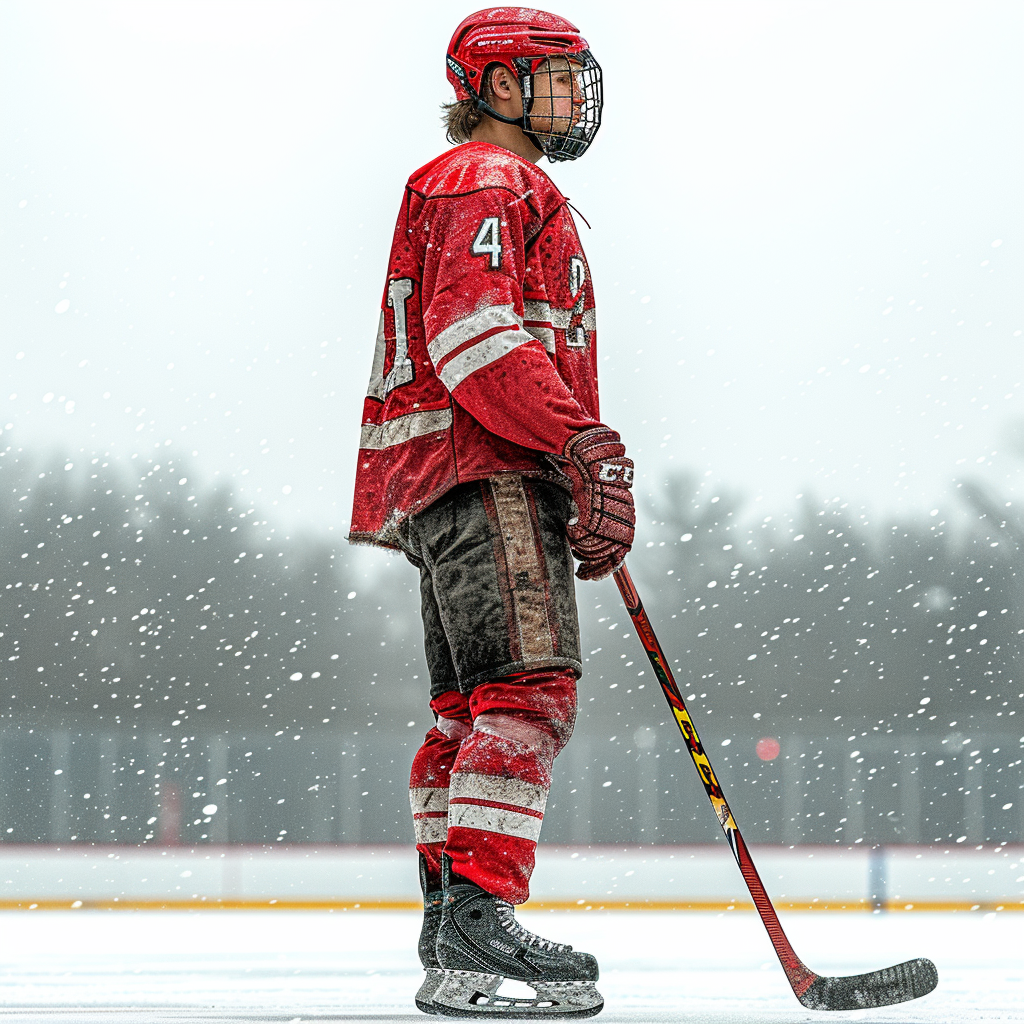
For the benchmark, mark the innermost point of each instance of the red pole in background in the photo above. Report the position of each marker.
(169, 823)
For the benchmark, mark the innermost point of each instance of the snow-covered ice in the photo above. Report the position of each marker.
(141, 966)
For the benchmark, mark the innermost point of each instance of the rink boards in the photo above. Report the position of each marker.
(698, 877)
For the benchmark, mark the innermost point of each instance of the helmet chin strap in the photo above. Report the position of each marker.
(485, 107)
(520, 122)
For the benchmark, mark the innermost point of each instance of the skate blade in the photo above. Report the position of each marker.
(425, 995)
(469, 994)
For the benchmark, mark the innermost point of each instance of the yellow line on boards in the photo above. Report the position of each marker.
(861, 906)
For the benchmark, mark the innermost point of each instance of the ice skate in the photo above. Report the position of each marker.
(432, 905)
(480, 944)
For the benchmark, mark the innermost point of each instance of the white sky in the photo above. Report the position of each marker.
(806, 237)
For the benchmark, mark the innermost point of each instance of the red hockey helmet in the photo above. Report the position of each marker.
(528, 43)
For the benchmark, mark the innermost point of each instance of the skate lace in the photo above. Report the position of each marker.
(507, 920)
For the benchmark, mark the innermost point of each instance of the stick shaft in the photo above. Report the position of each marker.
(800, 976)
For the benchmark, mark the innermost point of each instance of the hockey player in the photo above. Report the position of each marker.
(483, 458)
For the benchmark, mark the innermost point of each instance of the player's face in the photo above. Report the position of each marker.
(558, 97)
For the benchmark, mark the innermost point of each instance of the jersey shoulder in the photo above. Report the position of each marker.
(475, 166)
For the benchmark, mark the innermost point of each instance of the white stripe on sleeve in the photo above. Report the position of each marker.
(471, 326)
(560, 318)
(537, 320)
(483, 353)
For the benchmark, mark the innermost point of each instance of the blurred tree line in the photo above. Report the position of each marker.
(132, 597)
(824, 616)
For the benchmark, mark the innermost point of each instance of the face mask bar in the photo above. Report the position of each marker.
(563, 98)
(561, 118)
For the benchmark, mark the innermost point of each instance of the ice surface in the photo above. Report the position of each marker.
(133, 967)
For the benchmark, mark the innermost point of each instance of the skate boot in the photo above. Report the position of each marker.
(432, 902)
(480, 944)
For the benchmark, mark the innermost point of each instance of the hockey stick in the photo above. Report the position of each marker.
(879, 988)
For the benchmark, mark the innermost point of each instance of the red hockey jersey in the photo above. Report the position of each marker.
(486, 350)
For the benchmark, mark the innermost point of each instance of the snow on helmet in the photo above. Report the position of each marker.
(529, 43)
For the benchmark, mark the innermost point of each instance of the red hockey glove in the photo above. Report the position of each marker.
(600, 476)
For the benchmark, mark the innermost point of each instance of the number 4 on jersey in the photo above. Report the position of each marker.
(488, 241)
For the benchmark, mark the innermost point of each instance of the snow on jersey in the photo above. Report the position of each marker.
(485, 359)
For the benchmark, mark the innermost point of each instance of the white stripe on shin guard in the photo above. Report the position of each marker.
(424, 799)
(474, 798)
(473, 786)
(430, 813)
(495, 819)
(430, 830)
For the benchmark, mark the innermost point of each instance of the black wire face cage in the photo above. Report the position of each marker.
(562, 100)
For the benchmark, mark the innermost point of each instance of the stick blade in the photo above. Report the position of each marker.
(909, 980)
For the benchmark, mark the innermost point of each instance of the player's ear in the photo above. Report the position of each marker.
(501, 82)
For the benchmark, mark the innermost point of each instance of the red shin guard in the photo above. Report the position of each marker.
(430, 777)
(501, 777)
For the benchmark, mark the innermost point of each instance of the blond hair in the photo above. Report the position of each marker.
(460, 117)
